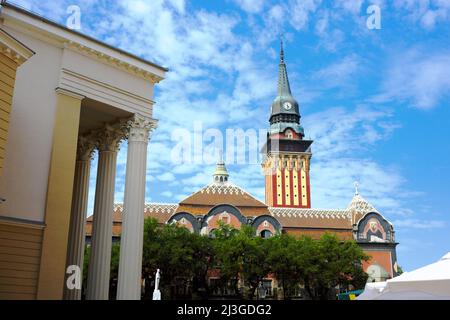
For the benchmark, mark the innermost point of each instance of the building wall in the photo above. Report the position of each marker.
(383, 258)
(20, 252)
(26, 166)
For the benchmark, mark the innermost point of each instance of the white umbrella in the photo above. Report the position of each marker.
(431, 282)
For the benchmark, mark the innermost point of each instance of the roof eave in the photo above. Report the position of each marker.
(59, 31)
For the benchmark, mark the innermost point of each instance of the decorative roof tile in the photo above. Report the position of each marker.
(219, 193)
(360, 206)
(312, 218)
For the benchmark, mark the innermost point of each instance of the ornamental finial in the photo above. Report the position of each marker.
(356, 184)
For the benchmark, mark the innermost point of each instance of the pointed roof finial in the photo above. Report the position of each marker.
(281, 50)
(221, 174)
(221, 157)
(284, 88)
(356, 184)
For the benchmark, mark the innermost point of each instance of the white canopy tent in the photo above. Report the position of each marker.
(431, 282)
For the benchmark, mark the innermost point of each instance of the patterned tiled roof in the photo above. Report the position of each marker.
(312, 218)
(222, 188)
(169, 208)
(218, 193)
(360, 205)
(309, 213)
(152, 207)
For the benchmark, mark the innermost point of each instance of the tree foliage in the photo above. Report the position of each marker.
(186, 259)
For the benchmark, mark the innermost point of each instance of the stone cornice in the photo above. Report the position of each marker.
(57, 34)
(69, 93)
(14, 49)
(120, 64)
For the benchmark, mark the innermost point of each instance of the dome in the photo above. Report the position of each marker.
(220, 174)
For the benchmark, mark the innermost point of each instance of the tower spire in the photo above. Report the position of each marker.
(281, 51)
(284, 88)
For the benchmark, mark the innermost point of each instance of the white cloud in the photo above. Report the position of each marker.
(167, 194)
(250, 6)
(428, 13)
(419, 224)
(167, 176)
(354, 6)
(418, 78)
(330, 38)
(300, 11)
(340, 72)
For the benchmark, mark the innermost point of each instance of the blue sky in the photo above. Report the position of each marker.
(374, 101)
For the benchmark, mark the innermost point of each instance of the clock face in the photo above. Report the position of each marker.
(287, 105)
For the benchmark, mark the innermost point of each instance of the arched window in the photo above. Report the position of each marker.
(289, 134)
(225, 217)
(266, 234)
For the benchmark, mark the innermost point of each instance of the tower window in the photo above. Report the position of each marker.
(289, 134)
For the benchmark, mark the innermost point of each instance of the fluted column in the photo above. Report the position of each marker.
(75, 247)
(99, 265)
(130, 265)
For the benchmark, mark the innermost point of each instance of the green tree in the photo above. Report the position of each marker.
(283, 259)
(331, 262)
(181, 256)
(241, 255)
(228, 252)
(204, 260)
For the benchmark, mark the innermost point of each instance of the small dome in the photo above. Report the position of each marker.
(220, 174)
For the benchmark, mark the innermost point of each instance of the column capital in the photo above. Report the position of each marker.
(109, 137)
(138, 128)
(85, 148)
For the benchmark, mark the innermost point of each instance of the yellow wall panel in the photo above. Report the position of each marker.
(20, 247)
(4, 125)
(295, 186)
(287, 186)
(8, 62)
(5, 97)
(4, 115)
(4, 68)
(5, 79)
(6, 107)
(279, 193)
(303, 186)
(3, 134)
(59, 198)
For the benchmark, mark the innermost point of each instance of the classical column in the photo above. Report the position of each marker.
(130, 265)
(75, 247)
(108, 141)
